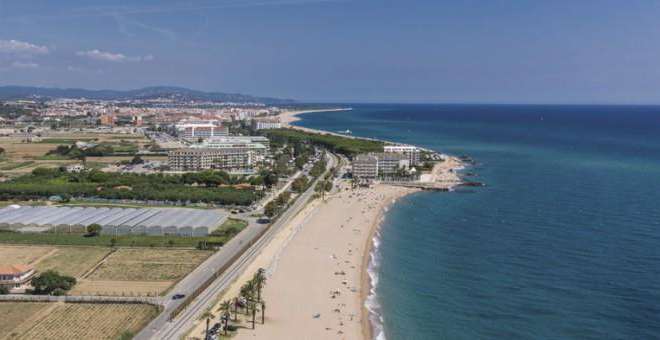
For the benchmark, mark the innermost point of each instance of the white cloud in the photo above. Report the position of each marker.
(22, 48)
(20, 65)
(112, 57)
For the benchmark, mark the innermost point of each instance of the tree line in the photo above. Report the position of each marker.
(203, 187)
(337, 144)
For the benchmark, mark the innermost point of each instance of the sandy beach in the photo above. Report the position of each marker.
(316, 266)
(324, 250)
(288, 117)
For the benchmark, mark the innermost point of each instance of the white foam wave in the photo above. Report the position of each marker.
(372, 304)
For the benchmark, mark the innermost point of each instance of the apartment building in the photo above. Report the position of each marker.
(411, 151)
(389, 162)
(192, 159)
(260, 123)
(201, 130)
(258, 144)
(365, 167)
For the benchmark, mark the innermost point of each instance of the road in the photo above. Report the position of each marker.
(160, 328)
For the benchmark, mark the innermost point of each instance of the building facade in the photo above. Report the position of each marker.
(201, 130)
(16, 276)
(390, 163)
(192, 159)
(365, 167)
(258, 144)
(260, 123)
(411, 151)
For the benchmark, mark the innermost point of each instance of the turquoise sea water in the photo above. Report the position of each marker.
(562, 243)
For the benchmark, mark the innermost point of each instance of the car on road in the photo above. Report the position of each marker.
(178, 296)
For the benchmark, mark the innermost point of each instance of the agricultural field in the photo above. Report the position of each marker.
(72, 320)
(61, 239)
(13, 314)
(23, 255)
(149, 271)
(149, 265)
(121, 288)
(73, 261)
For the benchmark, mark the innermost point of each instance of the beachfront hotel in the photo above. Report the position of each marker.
(411, 151)
(370, 166)
(365, 167)
(390, 162)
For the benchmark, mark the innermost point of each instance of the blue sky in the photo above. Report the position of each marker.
(489, 51)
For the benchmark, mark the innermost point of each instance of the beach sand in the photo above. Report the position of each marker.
(288, 117)
(325, 249)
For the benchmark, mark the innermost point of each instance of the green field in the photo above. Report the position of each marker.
(62, 141)
(15, 165)
(337, 144)
(223, 234)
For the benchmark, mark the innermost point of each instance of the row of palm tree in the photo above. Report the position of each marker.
(249, 301)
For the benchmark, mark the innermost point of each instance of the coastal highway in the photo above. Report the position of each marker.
(161, 328)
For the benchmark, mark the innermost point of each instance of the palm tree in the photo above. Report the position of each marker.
(247, 291)
(253, 306)
(263, 312)
(259, 282)
(226, 307)
(235, 309)
(208, 315)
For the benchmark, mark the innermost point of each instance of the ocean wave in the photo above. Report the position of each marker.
(371, 303)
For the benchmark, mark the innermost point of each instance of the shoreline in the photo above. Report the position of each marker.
(323, 257)
(288, 117)
(444, 173)
(366, 283)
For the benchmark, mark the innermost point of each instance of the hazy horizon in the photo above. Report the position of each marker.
(390, 51)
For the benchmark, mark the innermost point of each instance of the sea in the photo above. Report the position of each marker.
(562, 242)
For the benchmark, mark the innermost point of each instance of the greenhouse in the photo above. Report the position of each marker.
(113, 221)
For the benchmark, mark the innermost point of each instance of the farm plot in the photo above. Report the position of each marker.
(160, 255)
(149, 264)
(121, 288)
(10, 255)
(86, 321)
(151, 270)
(73, 261)
(13, 314)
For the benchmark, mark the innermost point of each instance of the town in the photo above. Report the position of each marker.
(92, 187)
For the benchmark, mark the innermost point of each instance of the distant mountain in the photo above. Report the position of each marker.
(147, 93)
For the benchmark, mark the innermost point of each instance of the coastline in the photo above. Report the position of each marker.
(443, 175)
(366, 284)
(310, 249)
(288, 117)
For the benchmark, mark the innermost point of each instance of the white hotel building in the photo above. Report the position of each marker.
(408, 150)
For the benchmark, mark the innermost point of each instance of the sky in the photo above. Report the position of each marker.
(462, 51)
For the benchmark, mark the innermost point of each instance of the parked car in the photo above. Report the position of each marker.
(178, 296)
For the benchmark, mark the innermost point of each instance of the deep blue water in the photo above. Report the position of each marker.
(562, 243)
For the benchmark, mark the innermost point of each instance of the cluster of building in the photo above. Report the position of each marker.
(229, 153)
(392, 161)
(194, 128)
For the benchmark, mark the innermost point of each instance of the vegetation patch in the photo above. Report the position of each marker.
(73, 261)
(46, 321)
(342, 145)
(43, 183)
(15, 165)
(149, 265)
(9, 237)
